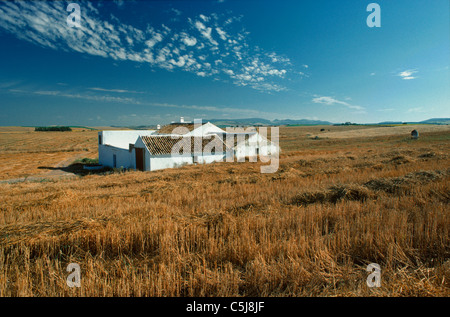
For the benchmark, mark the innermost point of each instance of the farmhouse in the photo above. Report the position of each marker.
(177, 144)
(160, 151)
(115, 148)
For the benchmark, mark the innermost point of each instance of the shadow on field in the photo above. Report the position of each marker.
(77, 169)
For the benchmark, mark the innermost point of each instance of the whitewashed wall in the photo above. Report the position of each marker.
(124, 158)
(122, 139)
(158, 163)
(206, 159)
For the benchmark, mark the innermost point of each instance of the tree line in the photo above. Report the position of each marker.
(56, 128)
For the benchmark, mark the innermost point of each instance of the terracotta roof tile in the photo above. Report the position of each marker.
(176, 128)
(162, 145)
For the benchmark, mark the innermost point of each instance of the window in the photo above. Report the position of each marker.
(99, 139)
(114, 160)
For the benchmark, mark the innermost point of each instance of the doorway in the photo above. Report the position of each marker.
(139, 159)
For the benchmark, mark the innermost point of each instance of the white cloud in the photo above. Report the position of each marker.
(205, 31)
(228, 72)
(82, 96)
(181, 62)
(407, 74)
(9, 84)
(156, 38)
(115, 90)
(119, 3)
(331, 101)
(105, 98)
(204, 18)
(222, 34)
(162, 47)
(177, 12)
(189, 41)
(416, 110)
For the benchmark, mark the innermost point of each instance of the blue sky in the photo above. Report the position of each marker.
(150, 62)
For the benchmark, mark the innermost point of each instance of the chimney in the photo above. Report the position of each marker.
(182, 120)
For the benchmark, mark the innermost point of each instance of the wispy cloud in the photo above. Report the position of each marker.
(332, 101)
(239, 111)
(407, 74)
(119, 3)
(103, 98)
(225, 110)
(416, 110)
(115, 90)
(9, 84)
(206, 45)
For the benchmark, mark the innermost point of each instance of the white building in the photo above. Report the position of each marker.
(162, 151)
(178, 144)
(115, 148)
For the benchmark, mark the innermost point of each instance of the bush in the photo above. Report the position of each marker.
(55, 128)
(87, 161)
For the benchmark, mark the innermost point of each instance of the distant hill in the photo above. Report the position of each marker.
(247, 121)
(437, 121)
(391, 122)
(301, 122)
(260, 121)
(265, 122)
(429, 121)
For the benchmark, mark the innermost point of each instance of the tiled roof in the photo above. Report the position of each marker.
(169, 129)
(161, 145)
(233, 139)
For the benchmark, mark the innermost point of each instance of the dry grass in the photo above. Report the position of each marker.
(226, 230)
(383, 131)
(24, 152)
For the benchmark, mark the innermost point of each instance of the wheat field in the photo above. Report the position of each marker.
(225, 229)
(24, 152)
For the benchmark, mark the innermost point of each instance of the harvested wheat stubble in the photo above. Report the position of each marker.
(363, 192)
(398, 184)
(13, 234)
(228, 230)
(398, 160)
(333, 194)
